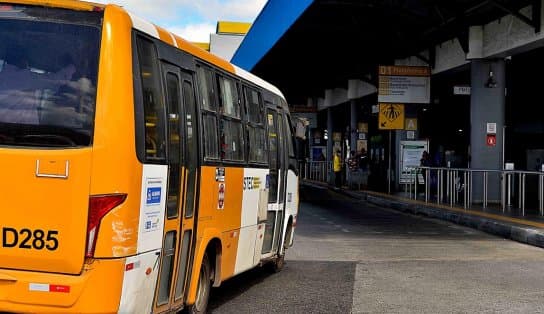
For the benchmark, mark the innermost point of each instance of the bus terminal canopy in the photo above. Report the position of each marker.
(306, 46)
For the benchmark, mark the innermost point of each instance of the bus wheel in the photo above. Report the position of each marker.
(278, 263)
(204, 287)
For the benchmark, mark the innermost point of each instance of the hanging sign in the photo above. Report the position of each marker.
(391, 117)
(404, 84)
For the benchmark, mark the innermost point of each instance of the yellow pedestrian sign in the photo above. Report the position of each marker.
(391, 117)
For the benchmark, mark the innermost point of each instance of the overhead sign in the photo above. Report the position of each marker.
(461, 90)
(404, 84)
(391, 117)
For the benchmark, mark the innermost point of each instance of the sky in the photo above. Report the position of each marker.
(193, 20)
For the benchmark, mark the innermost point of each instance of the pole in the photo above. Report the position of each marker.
(389, 166)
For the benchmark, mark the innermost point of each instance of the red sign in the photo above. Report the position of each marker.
(491, 140)
(221, 197)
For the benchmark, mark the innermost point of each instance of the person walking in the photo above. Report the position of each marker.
(337, 168)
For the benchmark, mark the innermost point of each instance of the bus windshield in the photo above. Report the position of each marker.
(48, 76)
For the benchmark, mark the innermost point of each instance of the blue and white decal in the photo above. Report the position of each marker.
(153, 201)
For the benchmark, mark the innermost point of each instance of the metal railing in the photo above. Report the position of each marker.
(510, 189)
(315, 170)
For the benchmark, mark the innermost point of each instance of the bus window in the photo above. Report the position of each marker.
(272, 118)
(231, 128)
(209, 126)
(207, 88)
(155, 148)
(290, 140)
(47, 91)
(175, 145)
(256, 129)
(232, 140)
(209, 108)
(230, 102)
(255, 109)
(191, 161)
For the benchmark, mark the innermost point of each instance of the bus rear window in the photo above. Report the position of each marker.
(48, 76)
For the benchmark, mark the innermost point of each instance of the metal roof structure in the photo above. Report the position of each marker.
(306, 46)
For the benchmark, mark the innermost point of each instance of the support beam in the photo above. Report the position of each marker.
(537, 11)
(534, 21)
(431, 60)
(464, 40)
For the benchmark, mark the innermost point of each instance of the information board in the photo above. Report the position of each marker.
(404, 84)
(411, 152)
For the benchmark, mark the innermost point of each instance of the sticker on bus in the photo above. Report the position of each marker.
(153, 196)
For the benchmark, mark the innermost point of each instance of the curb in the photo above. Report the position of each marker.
(517, 232)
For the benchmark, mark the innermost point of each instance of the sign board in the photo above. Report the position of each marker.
(410, 153)
(411, 124)
(362, 127)
(404, 84)
(411, 135)
(461, 90)
(491, 128)
(391, 117)
(362, 144)
(491, 140)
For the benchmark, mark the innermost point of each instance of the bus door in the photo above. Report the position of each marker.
(178, 241)
(276, 180)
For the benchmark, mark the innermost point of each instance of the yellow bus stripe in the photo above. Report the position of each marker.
(165, 36)
(204, 55)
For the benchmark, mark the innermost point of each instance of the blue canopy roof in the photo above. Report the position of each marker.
(272, 23)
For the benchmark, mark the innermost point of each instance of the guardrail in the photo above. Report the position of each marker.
(315, 170)
(456, 186)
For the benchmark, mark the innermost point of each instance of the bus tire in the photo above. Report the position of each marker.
(277, 265)
(204, 287)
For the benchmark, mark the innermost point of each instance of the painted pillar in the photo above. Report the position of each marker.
(353, 125)
(487, 106)
(329, 144)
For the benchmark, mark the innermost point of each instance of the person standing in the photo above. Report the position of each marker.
(337, 168)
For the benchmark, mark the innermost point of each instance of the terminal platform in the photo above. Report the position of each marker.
(528, 228)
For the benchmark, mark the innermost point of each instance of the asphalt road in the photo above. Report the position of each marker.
(353, 257)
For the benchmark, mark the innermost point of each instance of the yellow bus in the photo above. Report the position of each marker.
(138, 170)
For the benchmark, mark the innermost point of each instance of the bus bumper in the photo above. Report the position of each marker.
(96, 290)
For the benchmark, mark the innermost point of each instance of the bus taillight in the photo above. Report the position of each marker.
(99, 206)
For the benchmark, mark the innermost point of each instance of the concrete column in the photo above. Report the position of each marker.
(329, 142)
(353, 125)
(487, 105)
